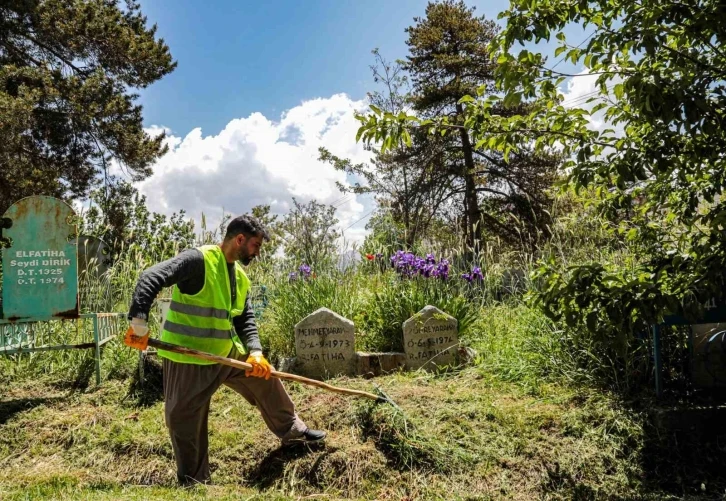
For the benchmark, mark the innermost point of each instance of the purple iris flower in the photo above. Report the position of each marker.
(304, 270)
(428, 270)
(476, 274)
(408, 265)
(442, 269)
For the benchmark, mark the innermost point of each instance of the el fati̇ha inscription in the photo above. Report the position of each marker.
(40, 261)
(434, 340)
(39, 267)
(430, 338)
(317, 344)
(325, 344)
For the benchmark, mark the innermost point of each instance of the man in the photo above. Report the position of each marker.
(210, 311)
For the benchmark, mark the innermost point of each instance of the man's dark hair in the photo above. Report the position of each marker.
(249, 226)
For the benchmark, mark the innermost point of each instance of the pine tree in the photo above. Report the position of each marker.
(67, 108)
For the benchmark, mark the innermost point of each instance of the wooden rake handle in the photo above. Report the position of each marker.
(248, 367)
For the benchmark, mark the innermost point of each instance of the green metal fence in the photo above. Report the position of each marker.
(88, 331)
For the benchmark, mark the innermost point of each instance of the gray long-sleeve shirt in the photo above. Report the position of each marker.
(186, 271)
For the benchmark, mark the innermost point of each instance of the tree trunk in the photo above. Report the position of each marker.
(411, 238)
(406, 210)
(473, 212)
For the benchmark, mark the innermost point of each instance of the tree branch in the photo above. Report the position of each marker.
(56, 54)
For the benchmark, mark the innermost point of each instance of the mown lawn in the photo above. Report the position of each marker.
(464, 435)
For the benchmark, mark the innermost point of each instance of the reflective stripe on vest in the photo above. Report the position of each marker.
(188, 330)
(200, 311)
(203, 321)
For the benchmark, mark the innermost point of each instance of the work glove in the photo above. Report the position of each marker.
(260, 366)
(140, 327)
(137, 335)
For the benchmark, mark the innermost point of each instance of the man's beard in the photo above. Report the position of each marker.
(243, 257)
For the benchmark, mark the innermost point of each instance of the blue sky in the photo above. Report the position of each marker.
(237, 57)
(241, 65)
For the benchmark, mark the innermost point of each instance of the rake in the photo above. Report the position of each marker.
(141, 343)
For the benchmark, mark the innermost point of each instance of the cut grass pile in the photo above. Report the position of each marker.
(465, 435)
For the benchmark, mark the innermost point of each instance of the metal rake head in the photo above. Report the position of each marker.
(384, 398)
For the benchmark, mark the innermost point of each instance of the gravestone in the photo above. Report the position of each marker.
(430, 339)
(93, 256)
(40, 262)
(325, 345)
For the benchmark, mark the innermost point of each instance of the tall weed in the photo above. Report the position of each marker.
(290, 301)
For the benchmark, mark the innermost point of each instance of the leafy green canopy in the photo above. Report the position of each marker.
(661, 68)
(67, 68)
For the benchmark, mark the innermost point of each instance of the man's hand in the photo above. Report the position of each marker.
(260, 366)
(137, 335)
(140, 327)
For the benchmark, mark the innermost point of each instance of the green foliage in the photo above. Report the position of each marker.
(395, 300)
(67, 74)
(660, 178)
(291, 301)
(309, 233)
(120, 218)
(579, 231)
(513, 341)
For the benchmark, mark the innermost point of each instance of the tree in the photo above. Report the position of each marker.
(407, 181)
(67, 72)
(660, 178)
(309, 233)
(119, 216)
(661, 78)
(450, 59)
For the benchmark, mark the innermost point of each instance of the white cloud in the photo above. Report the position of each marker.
(580, 89)
(255, 160)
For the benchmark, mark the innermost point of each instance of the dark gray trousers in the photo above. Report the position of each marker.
(188, 390)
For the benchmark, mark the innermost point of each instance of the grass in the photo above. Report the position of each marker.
(520, 424)
(524, 423)
(465, 435)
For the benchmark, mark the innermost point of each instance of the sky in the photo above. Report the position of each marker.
(258, 88)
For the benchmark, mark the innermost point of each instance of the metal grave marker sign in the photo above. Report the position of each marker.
(40, 264)
(93, 256)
